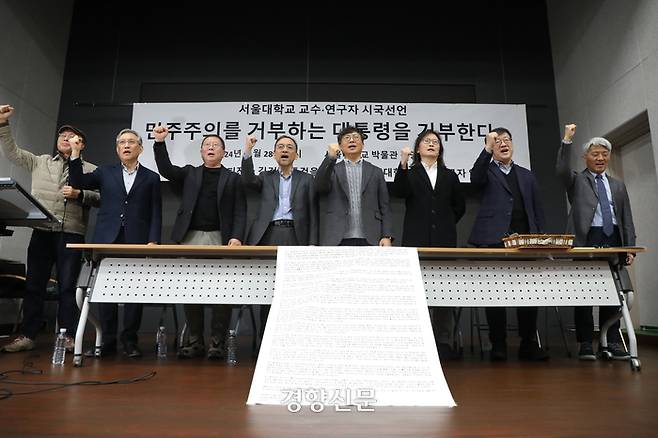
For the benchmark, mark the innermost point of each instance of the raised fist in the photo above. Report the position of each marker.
(249, 144)
(404, 156)
(569, 132)
(490, 141)
(333, 150)
(5, 112)
(160, 133)
(76, 143)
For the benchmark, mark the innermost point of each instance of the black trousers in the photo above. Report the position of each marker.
(583, 314)
(48, 248)
(280, 236)
(109, 316)
(497, 319)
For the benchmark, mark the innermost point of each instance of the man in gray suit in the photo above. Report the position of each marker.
(353, 198)
(600, 216)
(287, 213)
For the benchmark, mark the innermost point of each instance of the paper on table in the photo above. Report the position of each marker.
(349, 321)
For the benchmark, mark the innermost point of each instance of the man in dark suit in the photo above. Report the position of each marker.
(353, 199)
(130, 212)
(287, 213)
(212, 212)
(509, 204)
(600, 216)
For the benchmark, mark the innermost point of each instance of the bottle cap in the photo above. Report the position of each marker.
(62, 330)
(162, 328)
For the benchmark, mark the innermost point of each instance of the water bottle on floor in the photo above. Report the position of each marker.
(59, 352)
(231, 348)
(161, 343)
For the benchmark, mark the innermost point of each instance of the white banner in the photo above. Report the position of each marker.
(389, 126)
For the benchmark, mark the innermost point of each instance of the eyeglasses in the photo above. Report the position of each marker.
(130, 142)
(351, 137)
(67, 135)
(505, 140)
(288, 147)
(428, 141)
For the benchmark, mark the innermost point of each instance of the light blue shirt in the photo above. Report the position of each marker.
(129, 177)
(505, 168)
(598, 217)
(284, 208)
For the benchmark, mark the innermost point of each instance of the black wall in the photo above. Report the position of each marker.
(478, 52)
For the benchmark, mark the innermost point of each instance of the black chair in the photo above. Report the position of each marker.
(12, 287)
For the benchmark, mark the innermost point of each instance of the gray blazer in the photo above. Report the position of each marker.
(332, 189)
(304, 207)
(581, 191)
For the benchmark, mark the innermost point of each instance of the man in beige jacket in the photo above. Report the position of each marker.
(47, 246)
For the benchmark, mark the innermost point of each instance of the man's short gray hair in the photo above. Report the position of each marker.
(129, 131)
(597, 141)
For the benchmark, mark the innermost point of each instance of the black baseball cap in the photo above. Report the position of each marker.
(78, 132)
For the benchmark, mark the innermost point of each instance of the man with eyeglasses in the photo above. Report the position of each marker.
(50, 186)
(213, 211)
(353, 199)
(131, 212)
(600, 216)
(287, 213)
(509, 204)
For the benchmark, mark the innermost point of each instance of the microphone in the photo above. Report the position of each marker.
(68, 177)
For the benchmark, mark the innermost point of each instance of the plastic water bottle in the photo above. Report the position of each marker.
(231, 348)
(161, 343)
(59, 352)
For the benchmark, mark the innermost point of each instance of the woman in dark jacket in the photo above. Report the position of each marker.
(434, 205)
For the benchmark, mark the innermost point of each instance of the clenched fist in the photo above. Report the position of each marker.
(490, 141)
(5, 112)
(569, 132)
(76, 146)
(404, 156)
(249, 144)
(333, 150)
(160, 133)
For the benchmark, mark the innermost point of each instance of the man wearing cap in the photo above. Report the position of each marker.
(600, 216)
(50, 186)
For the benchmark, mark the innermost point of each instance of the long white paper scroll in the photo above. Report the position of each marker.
(349, 326)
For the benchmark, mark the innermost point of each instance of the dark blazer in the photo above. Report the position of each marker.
(583, 197)
(431, 215)
(333, 191)
(139, 212)
(231, 202)
(495, 214)
(304, 207)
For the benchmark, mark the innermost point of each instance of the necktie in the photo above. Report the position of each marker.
(604, 202)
